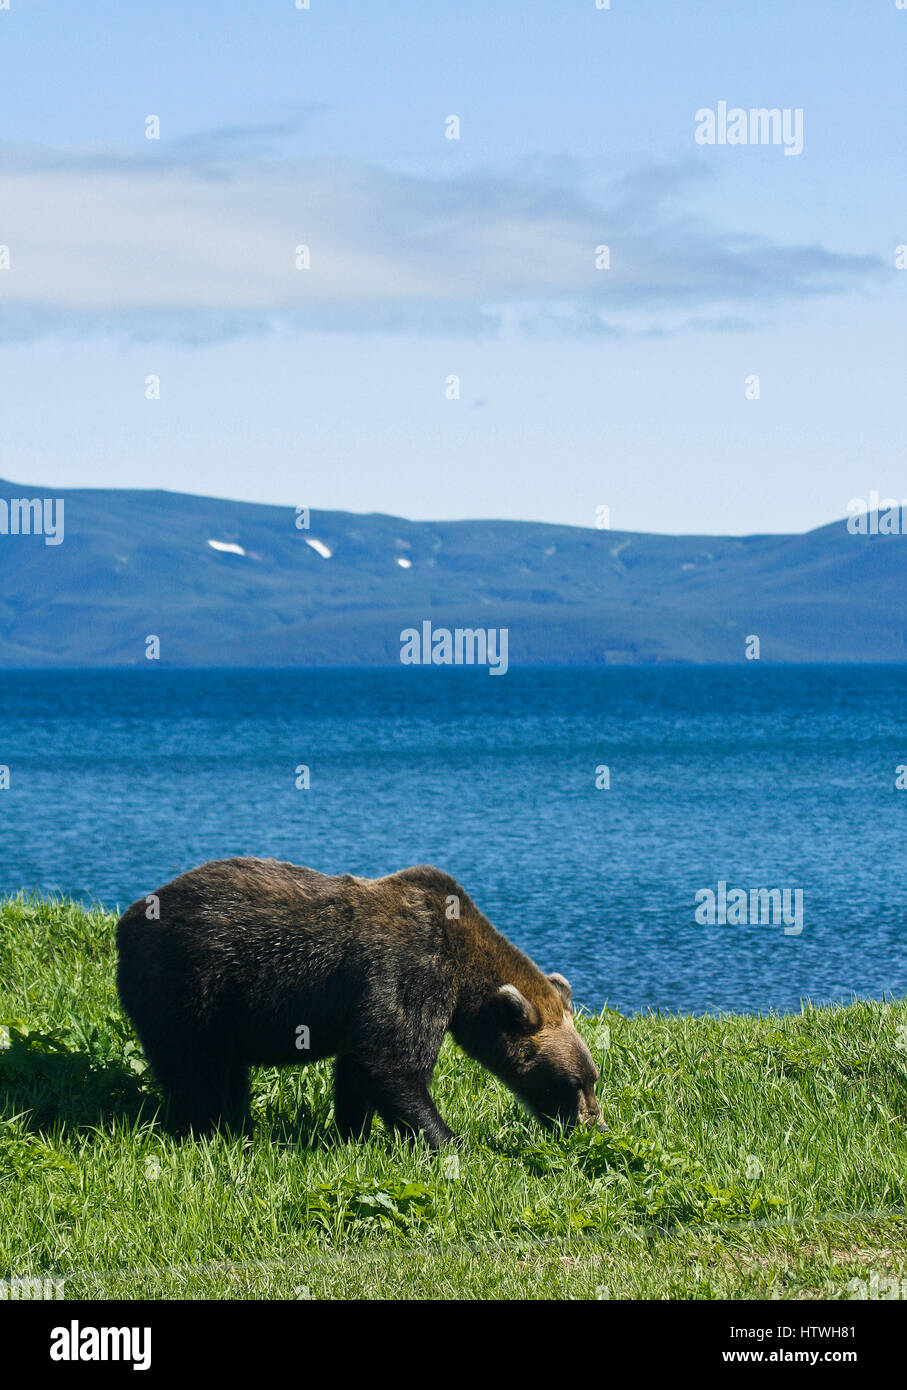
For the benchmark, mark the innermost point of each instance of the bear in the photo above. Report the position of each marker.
(252, 962)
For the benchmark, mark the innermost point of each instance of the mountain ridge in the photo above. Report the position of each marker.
(229, 583)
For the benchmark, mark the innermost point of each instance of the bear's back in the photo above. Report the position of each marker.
(253, 943)
(261, 913)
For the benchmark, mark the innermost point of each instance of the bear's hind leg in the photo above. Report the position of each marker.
(198, 1092)
(237, 1099)
(353, 1105)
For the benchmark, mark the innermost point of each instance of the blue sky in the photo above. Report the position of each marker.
(430, 257)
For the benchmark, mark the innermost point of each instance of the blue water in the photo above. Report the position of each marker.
(760, 776)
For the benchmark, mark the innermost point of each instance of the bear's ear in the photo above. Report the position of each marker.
(519, 1011)
(563, 988)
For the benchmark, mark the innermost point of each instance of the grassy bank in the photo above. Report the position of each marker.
(747, 1157)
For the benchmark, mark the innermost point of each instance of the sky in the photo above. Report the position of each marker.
(578, 386)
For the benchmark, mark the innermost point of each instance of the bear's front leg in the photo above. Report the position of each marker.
(353, 1106)
(404, 1103)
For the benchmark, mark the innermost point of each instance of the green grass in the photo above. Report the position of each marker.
(746, 1158)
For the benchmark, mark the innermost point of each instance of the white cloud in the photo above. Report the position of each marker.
(152, 247)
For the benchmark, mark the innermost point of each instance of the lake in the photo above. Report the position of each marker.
(754, 776)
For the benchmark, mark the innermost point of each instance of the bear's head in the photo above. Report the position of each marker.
(547, 1064)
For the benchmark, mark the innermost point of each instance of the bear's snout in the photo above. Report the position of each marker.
(590, 1114)
(559, 1083)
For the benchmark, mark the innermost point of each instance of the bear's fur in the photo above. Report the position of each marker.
(247, 954)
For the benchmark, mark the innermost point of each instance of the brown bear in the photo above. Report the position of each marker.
(251, 962)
